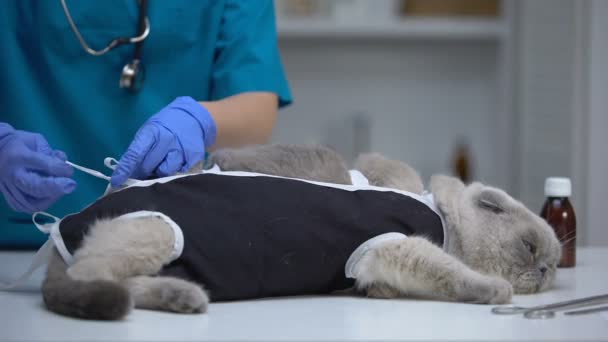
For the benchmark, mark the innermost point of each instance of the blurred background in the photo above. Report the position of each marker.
(506, 92)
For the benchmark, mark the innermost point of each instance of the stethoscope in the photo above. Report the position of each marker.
(132, 76)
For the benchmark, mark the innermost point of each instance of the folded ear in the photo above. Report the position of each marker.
(447, 192)
(446, 187)
(492, 200)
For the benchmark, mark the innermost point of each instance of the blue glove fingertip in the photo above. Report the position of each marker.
(172, 164)
(68, 186)
(59, 168)
(60, 154)
(117, 179)
(128, 165)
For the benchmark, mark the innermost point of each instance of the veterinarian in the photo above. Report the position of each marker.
(156, 83)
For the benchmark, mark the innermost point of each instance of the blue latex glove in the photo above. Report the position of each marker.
(33, 176)
(173, 140)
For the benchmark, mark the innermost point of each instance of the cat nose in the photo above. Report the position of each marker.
(543, 270)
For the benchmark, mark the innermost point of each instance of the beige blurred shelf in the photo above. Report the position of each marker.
(409, 28)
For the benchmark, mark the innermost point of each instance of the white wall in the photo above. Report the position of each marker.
(419, 97)
(561, 102)
(597, 139)
(545, 95)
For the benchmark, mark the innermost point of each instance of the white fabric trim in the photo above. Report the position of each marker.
(60, 245)
(54, 235)
(215, 168)
(53, 230)
(100, 175)
(429, 199)
(45, 228)
(40, 258)
(351, 267)
(178, 244)
(357, 178)
(42, 255)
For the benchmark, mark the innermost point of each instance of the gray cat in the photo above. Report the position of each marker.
(494, 245)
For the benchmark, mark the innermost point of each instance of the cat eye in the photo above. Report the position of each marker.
(530, 247)
(493, 207)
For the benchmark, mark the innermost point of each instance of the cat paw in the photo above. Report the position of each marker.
(185, 298)
(501, 291)
(489, 290)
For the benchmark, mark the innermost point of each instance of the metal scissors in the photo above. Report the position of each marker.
(548, 311)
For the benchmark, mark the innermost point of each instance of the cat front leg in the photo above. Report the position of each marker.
(416, 267)
(167, 294)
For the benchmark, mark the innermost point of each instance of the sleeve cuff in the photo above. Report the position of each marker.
(233, 83)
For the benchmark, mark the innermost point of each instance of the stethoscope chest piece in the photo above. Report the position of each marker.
(132, 76)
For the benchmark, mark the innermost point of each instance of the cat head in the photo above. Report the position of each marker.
(497, 235)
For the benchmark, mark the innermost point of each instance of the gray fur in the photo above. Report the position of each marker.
(167, 294)
(97, 299)
(109, 274)
(381, 171)
(485, 259)
(415, 267)
(310, 162)
(489, 229)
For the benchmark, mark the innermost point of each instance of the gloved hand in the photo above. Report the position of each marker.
(173, 140)
(33, 176)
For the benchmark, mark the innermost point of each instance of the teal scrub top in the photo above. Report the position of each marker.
(206, 49)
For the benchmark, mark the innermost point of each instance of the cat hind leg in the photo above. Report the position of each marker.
(114, 250)
(120, 248)
(167, 294)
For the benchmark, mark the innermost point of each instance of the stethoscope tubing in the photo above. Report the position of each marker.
(143, 27)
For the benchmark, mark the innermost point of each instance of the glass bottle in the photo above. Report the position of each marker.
(461, 162)
(559, 213)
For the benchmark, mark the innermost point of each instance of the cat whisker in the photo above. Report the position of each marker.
(568, 240)
(567, 236)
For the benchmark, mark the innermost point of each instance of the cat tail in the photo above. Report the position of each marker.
(98, 299)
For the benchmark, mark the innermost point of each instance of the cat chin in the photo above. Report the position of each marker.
(526, 288)
(528, 283)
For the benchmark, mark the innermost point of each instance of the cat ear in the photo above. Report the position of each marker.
(446, 187)
(447, 191)
(492, 200)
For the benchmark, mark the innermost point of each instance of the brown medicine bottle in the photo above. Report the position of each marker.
(559, 213)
